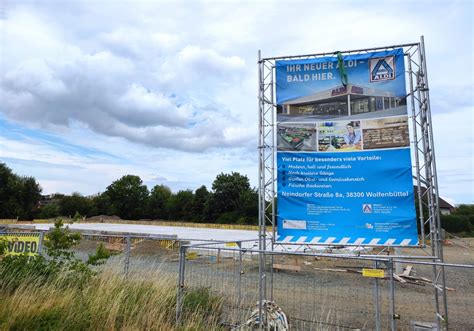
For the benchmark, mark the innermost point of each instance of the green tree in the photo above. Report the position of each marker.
(200, 207)
(9, 186)
(60, 241)
(249, 207)
(128, 197)
(227, 197)
(30, 195)
(159, 198)
(101, 204)
(180, 205)
(69, 205)
(19, 196)
(49, 211)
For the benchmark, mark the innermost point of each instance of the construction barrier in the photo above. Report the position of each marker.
(22, 243)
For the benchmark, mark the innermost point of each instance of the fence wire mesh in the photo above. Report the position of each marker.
(325, 293)
(316, 291)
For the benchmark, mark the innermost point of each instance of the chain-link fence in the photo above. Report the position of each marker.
(316, 290)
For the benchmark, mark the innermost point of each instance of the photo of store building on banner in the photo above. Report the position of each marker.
(350, 101)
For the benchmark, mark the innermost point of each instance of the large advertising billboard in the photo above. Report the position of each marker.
(343, 151)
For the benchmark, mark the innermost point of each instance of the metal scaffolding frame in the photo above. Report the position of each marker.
(424, 164)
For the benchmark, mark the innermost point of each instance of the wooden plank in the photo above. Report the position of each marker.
(329, 269)
(350, 267)
(288, 267)
(439, 287)
(117, 247)
(424, 280)
(400, 279)
(340, 270)
(407, 270)
(297, 260)
(419, 278)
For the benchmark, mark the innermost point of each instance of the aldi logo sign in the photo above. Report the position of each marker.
(382, 69)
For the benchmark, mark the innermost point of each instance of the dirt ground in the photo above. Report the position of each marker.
(312, 298)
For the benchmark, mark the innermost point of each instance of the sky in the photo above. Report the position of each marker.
(94, 90)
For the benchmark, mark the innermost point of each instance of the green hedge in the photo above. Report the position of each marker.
(457, 223)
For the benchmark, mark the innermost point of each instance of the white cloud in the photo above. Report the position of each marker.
(113, 93)
(156, 80)
(148, 109)
(209, 61)
(132, 42)
(88, 170)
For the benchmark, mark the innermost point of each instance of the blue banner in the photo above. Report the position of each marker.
(344, 167)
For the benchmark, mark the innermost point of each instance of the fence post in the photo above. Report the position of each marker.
(40, 244)
(376, 300)
(239, 282)
(127, 254)
(398, 265)
(393, 325)
(180, 294)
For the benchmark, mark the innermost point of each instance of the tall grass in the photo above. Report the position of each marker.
(107, 301)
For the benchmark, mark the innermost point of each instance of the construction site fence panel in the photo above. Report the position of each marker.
(316, 291)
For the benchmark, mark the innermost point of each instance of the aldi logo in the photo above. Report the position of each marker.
(367, 208)
(382, 69)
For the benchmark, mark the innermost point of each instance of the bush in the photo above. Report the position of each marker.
(456, 223)
(228, 217)
(49, 211)
(3, 246)
(59, 242)
(100, 256)
(60, 261)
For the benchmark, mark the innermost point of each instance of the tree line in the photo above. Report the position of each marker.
(230, 200)
(19, 196)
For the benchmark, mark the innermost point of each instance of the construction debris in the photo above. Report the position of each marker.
(286, 267)
(339, 270)
(398, 278)
(407, 270)
(273, 318)
(404, 278)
